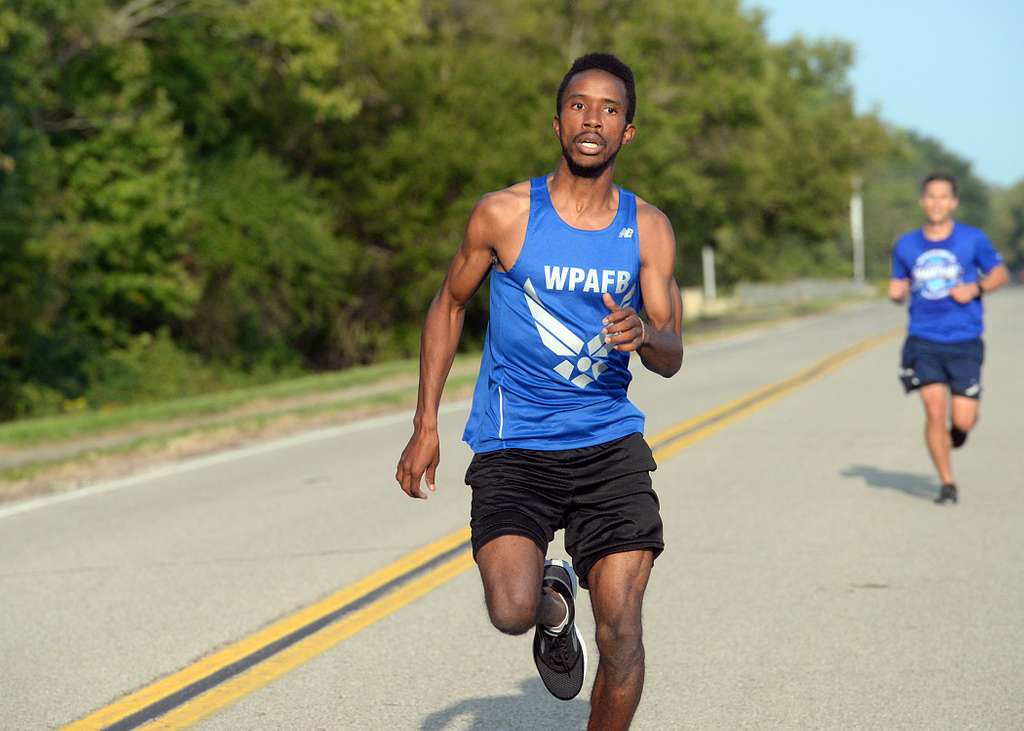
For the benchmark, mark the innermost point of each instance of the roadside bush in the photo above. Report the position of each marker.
(275, 280)
(33, 399)
(149, 368)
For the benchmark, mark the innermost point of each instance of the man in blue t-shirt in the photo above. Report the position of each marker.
(945, 266)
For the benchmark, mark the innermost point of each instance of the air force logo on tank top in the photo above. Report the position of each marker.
(582, 368)
(935, 272)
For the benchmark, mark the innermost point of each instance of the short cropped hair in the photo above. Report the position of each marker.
(602, 62)
(945, 177)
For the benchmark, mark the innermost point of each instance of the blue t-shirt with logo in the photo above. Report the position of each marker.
(934, 268)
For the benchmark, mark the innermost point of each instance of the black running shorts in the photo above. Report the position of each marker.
(600, 495)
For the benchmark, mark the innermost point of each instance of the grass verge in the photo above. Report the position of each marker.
(47, 475)
(26, 432)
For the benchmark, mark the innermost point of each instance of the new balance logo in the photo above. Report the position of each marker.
(626, 233)
(583, 362)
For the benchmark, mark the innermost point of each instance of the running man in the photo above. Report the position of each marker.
(572, 260)
(945, 266)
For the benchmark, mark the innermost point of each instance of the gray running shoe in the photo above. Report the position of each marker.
(947, 494)
(561, 659)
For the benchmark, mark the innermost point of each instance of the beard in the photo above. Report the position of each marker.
(587, 171)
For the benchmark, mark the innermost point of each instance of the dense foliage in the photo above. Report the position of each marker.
(195, 191)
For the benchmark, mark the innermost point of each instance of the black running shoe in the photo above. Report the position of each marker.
(561, 659)
(947, 493)
(958, 437)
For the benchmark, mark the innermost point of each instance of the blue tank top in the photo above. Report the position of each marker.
(547, 381)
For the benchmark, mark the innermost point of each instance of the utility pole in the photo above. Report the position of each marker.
(857, 231)
(707, 255)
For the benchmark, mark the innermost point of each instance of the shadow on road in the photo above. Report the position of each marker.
(532, 708)
(921, 486)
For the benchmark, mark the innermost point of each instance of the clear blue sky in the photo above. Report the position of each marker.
(952, 70)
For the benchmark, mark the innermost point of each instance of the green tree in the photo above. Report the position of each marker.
(276, 283)
(1007, 227)
(275, 184)
(108, 110)
(806, 155)
(95, 182)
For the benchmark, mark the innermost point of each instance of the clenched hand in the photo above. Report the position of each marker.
(421, 455)
(623, 328)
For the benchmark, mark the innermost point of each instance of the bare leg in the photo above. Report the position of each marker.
(936, 432)
(511, 568)
(965, 413)
(617, 585)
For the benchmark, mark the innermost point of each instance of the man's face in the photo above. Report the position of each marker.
(591, 125)
(938, 201)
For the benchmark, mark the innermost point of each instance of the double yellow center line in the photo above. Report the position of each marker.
(217, 680)
(676, 438)
(183, 698)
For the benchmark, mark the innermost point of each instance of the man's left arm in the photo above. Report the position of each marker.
(989, 261)
(995, 274)
(659, 340)
(996, 277)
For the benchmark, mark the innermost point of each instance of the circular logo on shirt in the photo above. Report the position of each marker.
(936, 272)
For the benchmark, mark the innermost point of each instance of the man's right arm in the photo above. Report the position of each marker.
(899, 284)
(898, 290)
(438, 344)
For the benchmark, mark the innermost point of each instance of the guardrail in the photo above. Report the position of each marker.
(753, 294)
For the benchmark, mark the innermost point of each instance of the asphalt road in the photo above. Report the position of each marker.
(808, 582)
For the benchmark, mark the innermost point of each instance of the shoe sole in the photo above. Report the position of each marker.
(567, 567)
(583, 647)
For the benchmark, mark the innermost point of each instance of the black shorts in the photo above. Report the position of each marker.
(957, 364)
(600, 495)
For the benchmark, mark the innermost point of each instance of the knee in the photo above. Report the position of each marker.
(964, 423)
(620, 641)
(513, 612)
